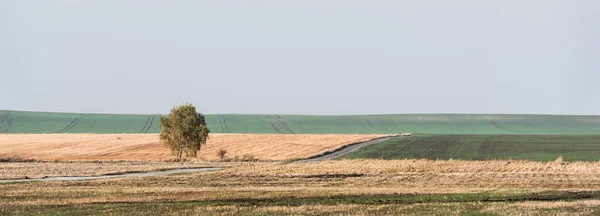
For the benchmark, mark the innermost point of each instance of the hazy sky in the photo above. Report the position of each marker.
(301, 57)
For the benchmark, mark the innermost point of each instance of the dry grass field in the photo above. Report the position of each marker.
(54, 169)
(363, 187)
(342, 187)
(145, 147)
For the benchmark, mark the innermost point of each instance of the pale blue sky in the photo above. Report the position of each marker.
(301, 57)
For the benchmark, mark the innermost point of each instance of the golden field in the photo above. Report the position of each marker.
(146, 147)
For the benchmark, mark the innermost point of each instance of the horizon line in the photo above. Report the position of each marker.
(366, 114)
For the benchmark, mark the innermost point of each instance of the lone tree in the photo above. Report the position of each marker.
(183, 129)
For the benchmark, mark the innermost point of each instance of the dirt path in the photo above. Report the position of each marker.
(126, 175)
(345, 150)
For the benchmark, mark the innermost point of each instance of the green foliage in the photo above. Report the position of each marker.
(183, 130)
(44, 122)
(485, 147)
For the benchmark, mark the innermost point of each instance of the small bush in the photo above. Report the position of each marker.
(176, 160)
(559, 160)
(243, 158)
(248, 158)
(221, 153)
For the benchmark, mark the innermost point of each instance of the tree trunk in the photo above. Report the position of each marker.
(180, 151)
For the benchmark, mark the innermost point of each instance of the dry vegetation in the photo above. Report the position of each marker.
(330, 177)
(48, 169)
(147, 148)
(558, 208)
(276, 182)
(278, 188)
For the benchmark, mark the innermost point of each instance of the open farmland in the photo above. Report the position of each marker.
(19, 122)
(146, 147)
(486, 147)
(276, 186)
(329, 187)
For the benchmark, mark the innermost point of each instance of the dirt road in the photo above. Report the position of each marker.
(345, 150)
(130, 175)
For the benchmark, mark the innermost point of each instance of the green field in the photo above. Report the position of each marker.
(44, 122)
(486, 147)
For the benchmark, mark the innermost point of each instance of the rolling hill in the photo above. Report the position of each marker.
(23, 122)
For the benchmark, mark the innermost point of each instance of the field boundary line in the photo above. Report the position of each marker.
(61, 130)
(346, 149)
(72, 124)
(284, 124)
(145, 125)
(6, 119)
(300, 125)
(370, 128)
(221, 124)
(528, 124)
(450, 125)
(225, 124)
(273, 125)
(150, 125)
(503, 128)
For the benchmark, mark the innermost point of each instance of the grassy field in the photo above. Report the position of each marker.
(41, 122)
(146, 147)
(486, 147)
(332, 187)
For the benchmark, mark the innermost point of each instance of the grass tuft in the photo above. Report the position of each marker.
(15, 159)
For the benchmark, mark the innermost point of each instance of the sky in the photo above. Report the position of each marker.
(301, 57)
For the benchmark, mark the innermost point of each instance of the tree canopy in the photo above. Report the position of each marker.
(183, 130)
